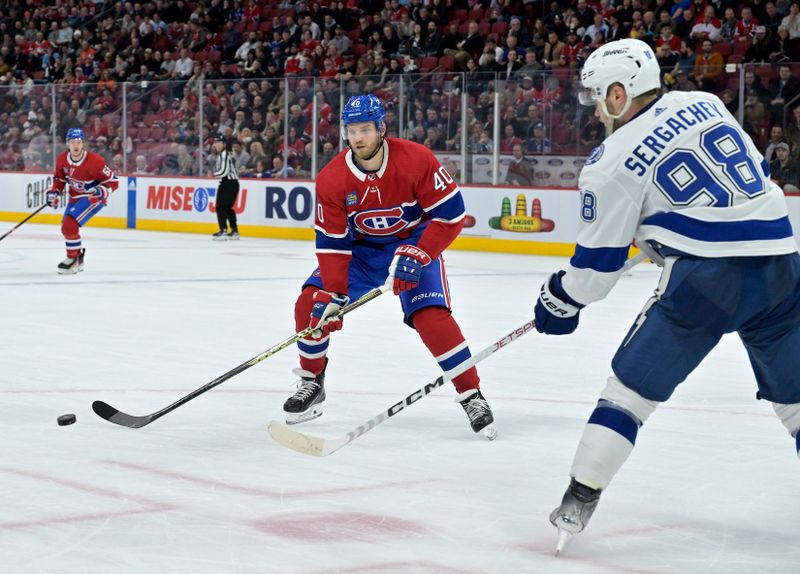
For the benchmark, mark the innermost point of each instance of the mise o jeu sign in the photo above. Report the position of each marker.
(188, 198)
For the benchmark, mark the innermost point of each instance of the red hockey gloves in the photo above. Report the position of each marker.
(406, 268)
(99, 194)
(53, 198)
(325, 316)
(556, 312)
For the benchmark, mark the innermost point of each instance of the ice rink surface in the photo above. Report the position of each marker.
(710, 487)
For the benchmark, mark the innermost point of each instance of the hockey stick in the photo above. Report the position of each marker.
(320, 446)
(10, 231)
(634, 261)
(113, 415)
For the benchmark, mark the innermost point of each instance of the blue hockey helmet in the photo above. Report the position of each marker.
(363, 109)
(75, 134)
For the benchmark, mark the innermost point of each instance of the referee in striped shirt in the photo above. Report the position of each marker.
(227, 190)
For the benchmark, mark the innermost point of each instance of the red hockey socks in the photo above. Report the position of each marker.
(441, 334)
(72, 236)
(312, 351)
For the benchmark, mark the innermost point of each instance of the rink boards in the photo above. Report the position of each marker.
(504, 219)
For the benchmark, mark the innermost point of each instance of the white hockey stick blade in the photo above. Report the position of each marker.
(319, 446)
(634, 261)
(306, 444)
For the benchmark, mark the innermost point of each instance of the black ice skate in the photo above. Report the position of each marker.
(573, 515)
(220, 235)
(306, 403)
(71, 265)
(478, 411)
(234, 235)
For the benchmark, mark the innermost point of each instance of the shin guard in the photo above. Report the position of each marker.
(441, 334)
(312, 351)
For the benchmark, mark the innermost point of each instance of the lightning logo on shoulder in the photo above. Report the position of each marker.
(596, 154)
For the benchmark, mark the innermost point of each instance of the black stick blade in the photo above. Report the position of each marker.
(106, 411)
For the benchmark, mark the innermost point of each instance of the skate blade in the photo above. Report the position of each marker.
(296, 419)
(563, 538)
(69, 271)
(489, 432)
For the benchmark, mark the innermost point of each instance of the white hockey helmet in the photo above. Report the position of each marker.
(629, 62)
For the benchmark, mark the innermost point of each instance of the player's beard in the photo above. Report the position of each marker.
(366, 154)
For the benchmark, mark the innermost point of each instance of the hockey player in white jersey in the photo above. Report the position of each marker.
(679, 175)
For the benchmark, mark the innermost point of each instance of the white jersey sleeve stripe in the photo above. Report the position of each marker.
(455, 191)
(332, 235)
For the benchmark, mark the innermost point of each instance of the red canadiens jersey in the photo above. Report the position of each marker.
(410, 192)
(90, 171)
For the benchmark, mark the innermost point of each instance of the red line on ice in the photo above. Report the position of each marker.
(265, 492)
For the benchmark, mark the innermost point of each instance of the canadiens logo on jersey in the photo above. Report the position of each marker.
(380, 221)
(91, 170)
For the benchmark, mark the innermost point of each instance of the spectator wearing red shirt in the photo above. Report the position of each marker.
(668, 37)
(294, 63)
(509, 140)
(97, 129)
(572, 49)
(38, 46)
(746, 26)
(309, 43)
(328, 69)
(605, 9)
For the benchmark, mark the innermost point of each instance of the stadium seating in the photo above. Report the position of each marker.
(136, 112)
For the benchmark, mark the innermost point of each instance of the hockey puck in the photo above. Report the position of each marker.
(67, 419)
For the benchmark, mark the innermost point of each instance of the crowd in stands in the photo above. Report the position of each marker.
(153, 82)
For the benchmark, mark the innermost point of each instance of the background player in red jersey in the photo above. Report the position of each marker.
(90, 181)
(386, 209)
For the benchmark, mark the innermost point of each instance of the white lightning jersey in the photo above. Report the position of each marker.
(681, 173)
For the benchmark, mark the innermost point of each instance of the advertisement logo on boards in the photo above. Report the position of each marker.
(35, 192)
(520, 222)
(177, 198)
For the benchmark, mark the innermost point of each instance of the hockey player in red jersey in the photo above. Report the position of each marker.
(386, 210)
(90, 181)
